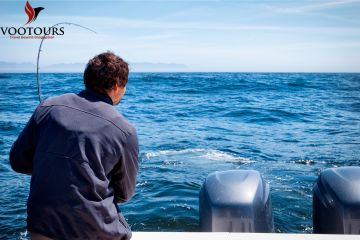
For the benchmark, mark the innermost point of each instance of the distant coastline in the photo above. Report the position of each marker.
(28, 67)
(138, 67)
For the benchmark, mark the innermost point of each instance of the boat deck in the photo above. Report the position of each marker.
(237, 236)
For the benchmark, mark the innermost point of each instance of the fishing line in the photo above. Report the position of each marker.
(38, 56)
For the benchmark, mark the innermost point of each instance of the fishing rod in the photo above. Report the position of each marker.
(41, 43)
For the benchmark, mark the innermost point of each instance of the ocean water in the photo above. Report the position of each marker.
(288, 126)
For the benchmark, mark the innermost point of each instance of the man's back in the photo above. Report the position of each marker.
(84, 161)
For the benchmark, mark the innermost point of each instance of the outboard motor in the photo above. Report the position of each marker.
(235, 201)
(336, 201)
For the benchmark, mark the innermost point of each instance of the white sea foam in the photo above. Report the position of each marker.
(210, 154)
(171, 152)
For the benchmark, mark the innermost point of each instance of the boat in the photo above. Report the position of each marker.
(236, 205)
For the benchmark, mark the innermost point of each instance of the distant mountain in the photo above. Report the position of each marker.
(79, 67)
(17, 67)
(64, 67)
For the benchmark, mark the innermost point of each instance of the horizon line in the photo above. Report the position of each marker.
(318, 72)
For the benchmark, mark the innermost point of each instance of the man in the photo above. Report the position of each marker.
(83, 158)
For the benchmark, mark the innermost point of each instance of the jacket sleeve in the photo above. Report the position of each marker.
(23, 149)
(125, 171)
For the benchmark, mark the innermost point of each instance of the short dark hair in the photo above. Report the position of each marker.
(104, 71)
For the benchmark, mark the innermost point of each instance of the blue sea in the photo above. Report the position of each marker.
(288, 126)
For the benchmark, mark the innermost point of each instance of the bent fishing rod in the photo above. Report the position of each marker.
(39, 51)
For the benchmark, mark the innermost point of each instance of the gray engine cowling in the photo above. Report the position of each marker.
(336, 201)
(235, 201)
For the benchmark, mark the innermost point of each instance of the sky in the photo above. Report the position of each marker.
(204, 35)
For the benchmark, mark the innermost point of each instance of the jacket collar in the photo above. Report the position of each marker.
(99, 96)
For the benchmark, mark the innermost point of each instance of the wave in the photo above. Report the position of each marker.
(262, 115)
(305, 161)
(209, 154)
(3, 76)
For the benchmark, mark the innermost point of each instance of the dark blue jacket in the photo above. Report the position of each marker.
(83, 158)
